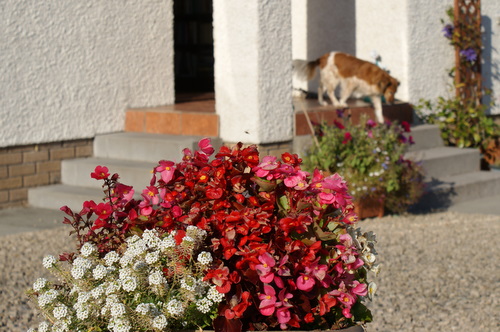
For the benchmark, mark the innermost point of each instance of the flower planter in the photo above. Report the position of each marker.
(357, 328)
(369, 208)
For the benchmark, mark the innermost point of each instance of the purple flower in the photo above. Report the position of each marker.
(448, 31)
(469, 54)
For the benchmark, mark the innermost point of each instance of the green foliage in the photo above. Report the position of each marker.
(462, 124)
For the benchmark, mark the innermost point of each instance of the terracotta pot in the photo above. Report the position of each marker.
(369, 208)
(490, 155)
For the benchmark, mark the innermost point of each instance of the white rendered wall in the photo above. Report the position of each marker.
(407, 34)
(430, 54)
(382, 26)
(70, 68)
(253, 78)
(490, 10)
(319, 27)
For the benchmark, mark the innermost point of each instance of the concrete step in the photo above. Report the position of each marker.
(146, 147)
(444, 161)
(76, 172)
(425, 136)
(56, 196)
(451, 190)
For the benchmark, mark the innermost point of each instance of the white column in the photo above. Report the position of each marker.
(253, 78)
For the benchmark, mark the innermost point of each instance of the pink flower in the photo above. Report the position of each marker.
(317, 270)
(267, 164)
(347, 138)
(329, 198)
(292, 181)
(150, 194)
(347, 312)
(284, 297)
(406, 126)
(305, 283)
(267, 301)
(297, 181)
(359, 288)
(370, 123)
(284, 316)
(166, 169)
(282, 269)
(334, 182)
(100, 173)
(206, 146)
(124, 191)
(264, 270)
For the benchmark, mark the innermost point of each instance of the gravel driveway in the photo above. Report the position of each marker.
(440, 272)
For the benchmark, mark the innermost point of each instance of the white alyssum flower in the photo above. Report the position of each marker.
(205, 258)
(129, 284)
(126, 259)
(156, 278)
(195, 233)
(167, 243)
(49, 261)
(97, 292)
(87, 249)
(77, 272)
(39, 284)
(187, 241)
(118, 309)
(83, 297)
(84, 263)
(151, 237)
(188, 283)
(82, 310)
(99, 272)
(175, 308)
(143, 308)
(47, 297)
(60, 311)
(152, 257)
(111, 257)
(214, 295)
(203, 305)
(43, 327)
(160, 322)
(112, 287)
(119, 324)
(125, 273)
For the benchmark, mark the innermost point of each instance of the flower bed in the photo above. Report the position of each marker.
(234, 243)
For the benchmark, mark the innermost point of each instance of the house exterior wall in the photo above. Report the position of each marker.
(407, 34)
(490, 10)
(71, 68)
(429, 52)
(319, 27)
(253, 77)
(382, 26)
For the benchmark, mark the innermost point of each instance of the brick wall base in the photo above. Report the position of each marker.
(27, 166)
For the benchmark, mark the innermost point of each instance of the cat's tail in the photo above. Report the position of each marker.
(305, 70)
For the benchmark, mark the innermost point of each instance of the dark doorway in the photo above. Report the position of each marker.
(194, 49)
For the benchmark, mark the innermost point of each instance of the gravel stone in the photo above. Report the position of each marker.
(439, 272)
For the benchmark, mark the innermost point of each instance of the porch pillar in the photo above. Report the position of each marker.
(253, 77)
